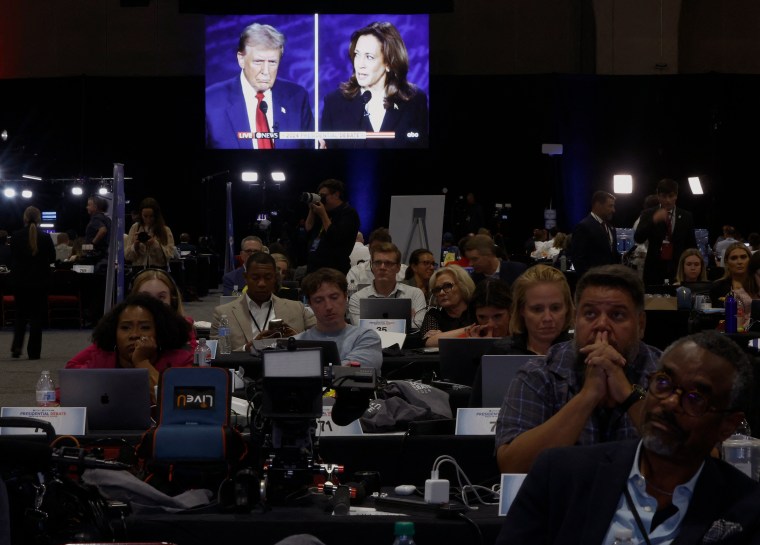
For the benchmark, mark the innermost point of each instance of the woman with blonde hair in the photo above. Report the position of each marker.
(32, 253)
(159, 284)
(691, 267)
(736, 277)
(452, 289)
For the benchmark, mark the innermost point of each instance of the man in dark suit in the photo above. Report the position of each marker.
(481, 251)
(594, 241)
(666, 486)
(236, 277)
(668, 231)
(232, 105)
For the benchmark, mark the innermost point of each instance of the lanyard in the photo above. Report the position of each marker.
(266, 319)
(636, 516)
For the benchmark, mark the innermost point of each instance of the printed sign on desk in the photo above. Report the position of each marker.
(510, 485)
(65, 420)
(383, 324)
(326, 426)
(476, 421)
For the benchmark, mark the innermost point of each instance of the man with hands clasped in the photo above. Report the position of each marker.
(587, 390)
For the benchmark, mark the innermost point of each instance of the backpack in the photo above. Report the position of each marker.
(192, 445)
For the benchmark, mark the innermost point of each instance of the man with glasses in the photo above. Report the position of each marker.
(385, 259)
(248, 246)
(665, 487)
(583, 391)
(332, 225)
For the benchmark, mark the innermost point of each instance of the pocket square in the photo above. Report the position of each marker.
(721, 529)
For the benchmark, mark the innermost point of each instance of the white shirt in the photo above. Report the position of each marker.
(400, 291)
(260, 315)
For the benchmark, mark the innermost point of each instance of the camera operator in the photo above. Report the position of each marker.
(332, 225)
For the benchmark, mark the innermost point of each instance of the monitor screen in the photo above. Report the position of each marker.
(312, 96)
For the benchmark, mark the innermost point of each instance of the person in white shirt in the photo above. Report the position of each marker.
(386, 264)
(360, 253)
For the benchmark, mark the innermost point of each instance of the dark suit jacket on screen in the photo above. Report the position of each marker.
(590, 246)
(571, 494)
(655, 269)
(409, 121)
(226, 114)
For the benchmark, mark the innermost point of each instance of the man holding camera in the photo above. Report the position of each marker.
(332, 225)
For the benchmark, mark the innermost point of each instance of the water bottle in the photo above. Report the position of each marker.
(730, 311)
(404, 532)
(223, 344)
(740, 316)
(235, 291)
(202, 355)
(45, 390)
(351, 288)
(623, 536)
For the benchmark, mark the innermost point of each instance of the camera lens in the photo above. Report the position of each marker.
(310, 197)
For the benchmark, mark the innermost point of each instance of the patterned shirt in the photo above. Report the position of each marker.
(543, 386)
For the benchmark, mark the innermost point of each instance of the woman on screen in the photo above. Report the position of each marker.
(377, 99)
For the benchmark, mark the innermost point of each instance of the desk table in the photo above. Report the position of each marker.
(266, 528)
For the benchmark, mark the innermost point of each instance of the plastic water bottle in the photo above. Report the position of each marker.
(623, 536)
(223, 343)
(404, 532)
(740, 316)
(45, 390)
(730, 312)
(235, 291)
(202, 355)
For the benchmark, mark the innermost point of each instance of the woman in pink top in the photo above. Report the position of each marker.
(141, 331)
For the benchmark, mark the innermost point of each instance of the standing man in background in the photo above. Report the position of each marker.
(332, 225)
(594, 241)
(668, 231)
(98, 228)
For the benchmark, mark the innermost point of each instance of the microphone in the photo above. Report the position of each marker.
(263, 106)
(366, 97)
(341, 500)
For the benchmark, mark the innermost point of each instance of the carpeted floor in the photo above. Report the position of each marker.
(18, 377)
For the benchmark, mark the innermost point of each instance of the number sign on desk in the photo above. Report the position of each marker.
(384, 324)
(326, 426)
(476, 421)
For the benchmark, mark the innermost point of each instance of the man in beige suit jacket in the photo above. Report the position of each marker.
(251, 313)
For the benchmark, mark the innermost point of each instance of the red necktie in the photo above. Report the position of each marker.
(261, 123)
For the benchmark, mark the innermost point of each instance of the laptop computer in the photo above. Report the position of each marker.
(458, 358)
(116, 399)
(386, 308)
(497, 371)
(330, 354)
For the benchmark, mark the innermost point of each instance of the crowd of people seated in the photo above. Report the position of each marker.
(592, 389)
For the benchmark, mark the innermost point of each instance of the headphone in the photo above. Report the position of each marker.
(174, 296)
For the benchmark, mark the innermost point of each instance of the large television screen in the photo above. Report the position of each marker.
(317, 81)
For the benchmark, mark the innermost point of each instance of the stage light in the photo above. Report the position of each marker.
(102, 190)
(77, 190)
(32, 177)
(622, 183)
(26, 193)
(278, 176)
(250, 176)
(696, 186)
(9, 192)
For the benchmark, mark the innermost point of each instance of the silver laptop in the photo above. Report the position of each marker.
(497, 371)
(386, 308)
(116, 399)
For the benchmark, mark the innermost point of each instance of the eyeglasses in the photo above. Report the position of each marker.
(692, 402)
(381, 263)
(445, 288)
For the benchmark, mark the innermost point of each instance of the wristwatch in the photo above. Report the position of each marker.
(637, 394)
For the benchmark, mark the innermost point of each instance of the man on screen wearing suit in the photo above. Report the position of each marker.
(594, 241)
(666, 487)
(232, 105)
(250, 314)
(668, 231)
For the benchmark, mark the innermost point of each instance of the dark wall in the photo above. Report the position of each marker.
(647, 126)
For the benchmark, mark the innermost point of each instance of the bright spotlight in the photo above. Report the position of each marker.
(102, 191)
(278, 176)
(622, 183)
(696, 186)
(9, 192)
(250, 176)
(26, 193)
(76, 190)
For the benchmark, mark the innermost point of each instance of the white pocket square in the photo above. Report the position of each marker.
(720, 530)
